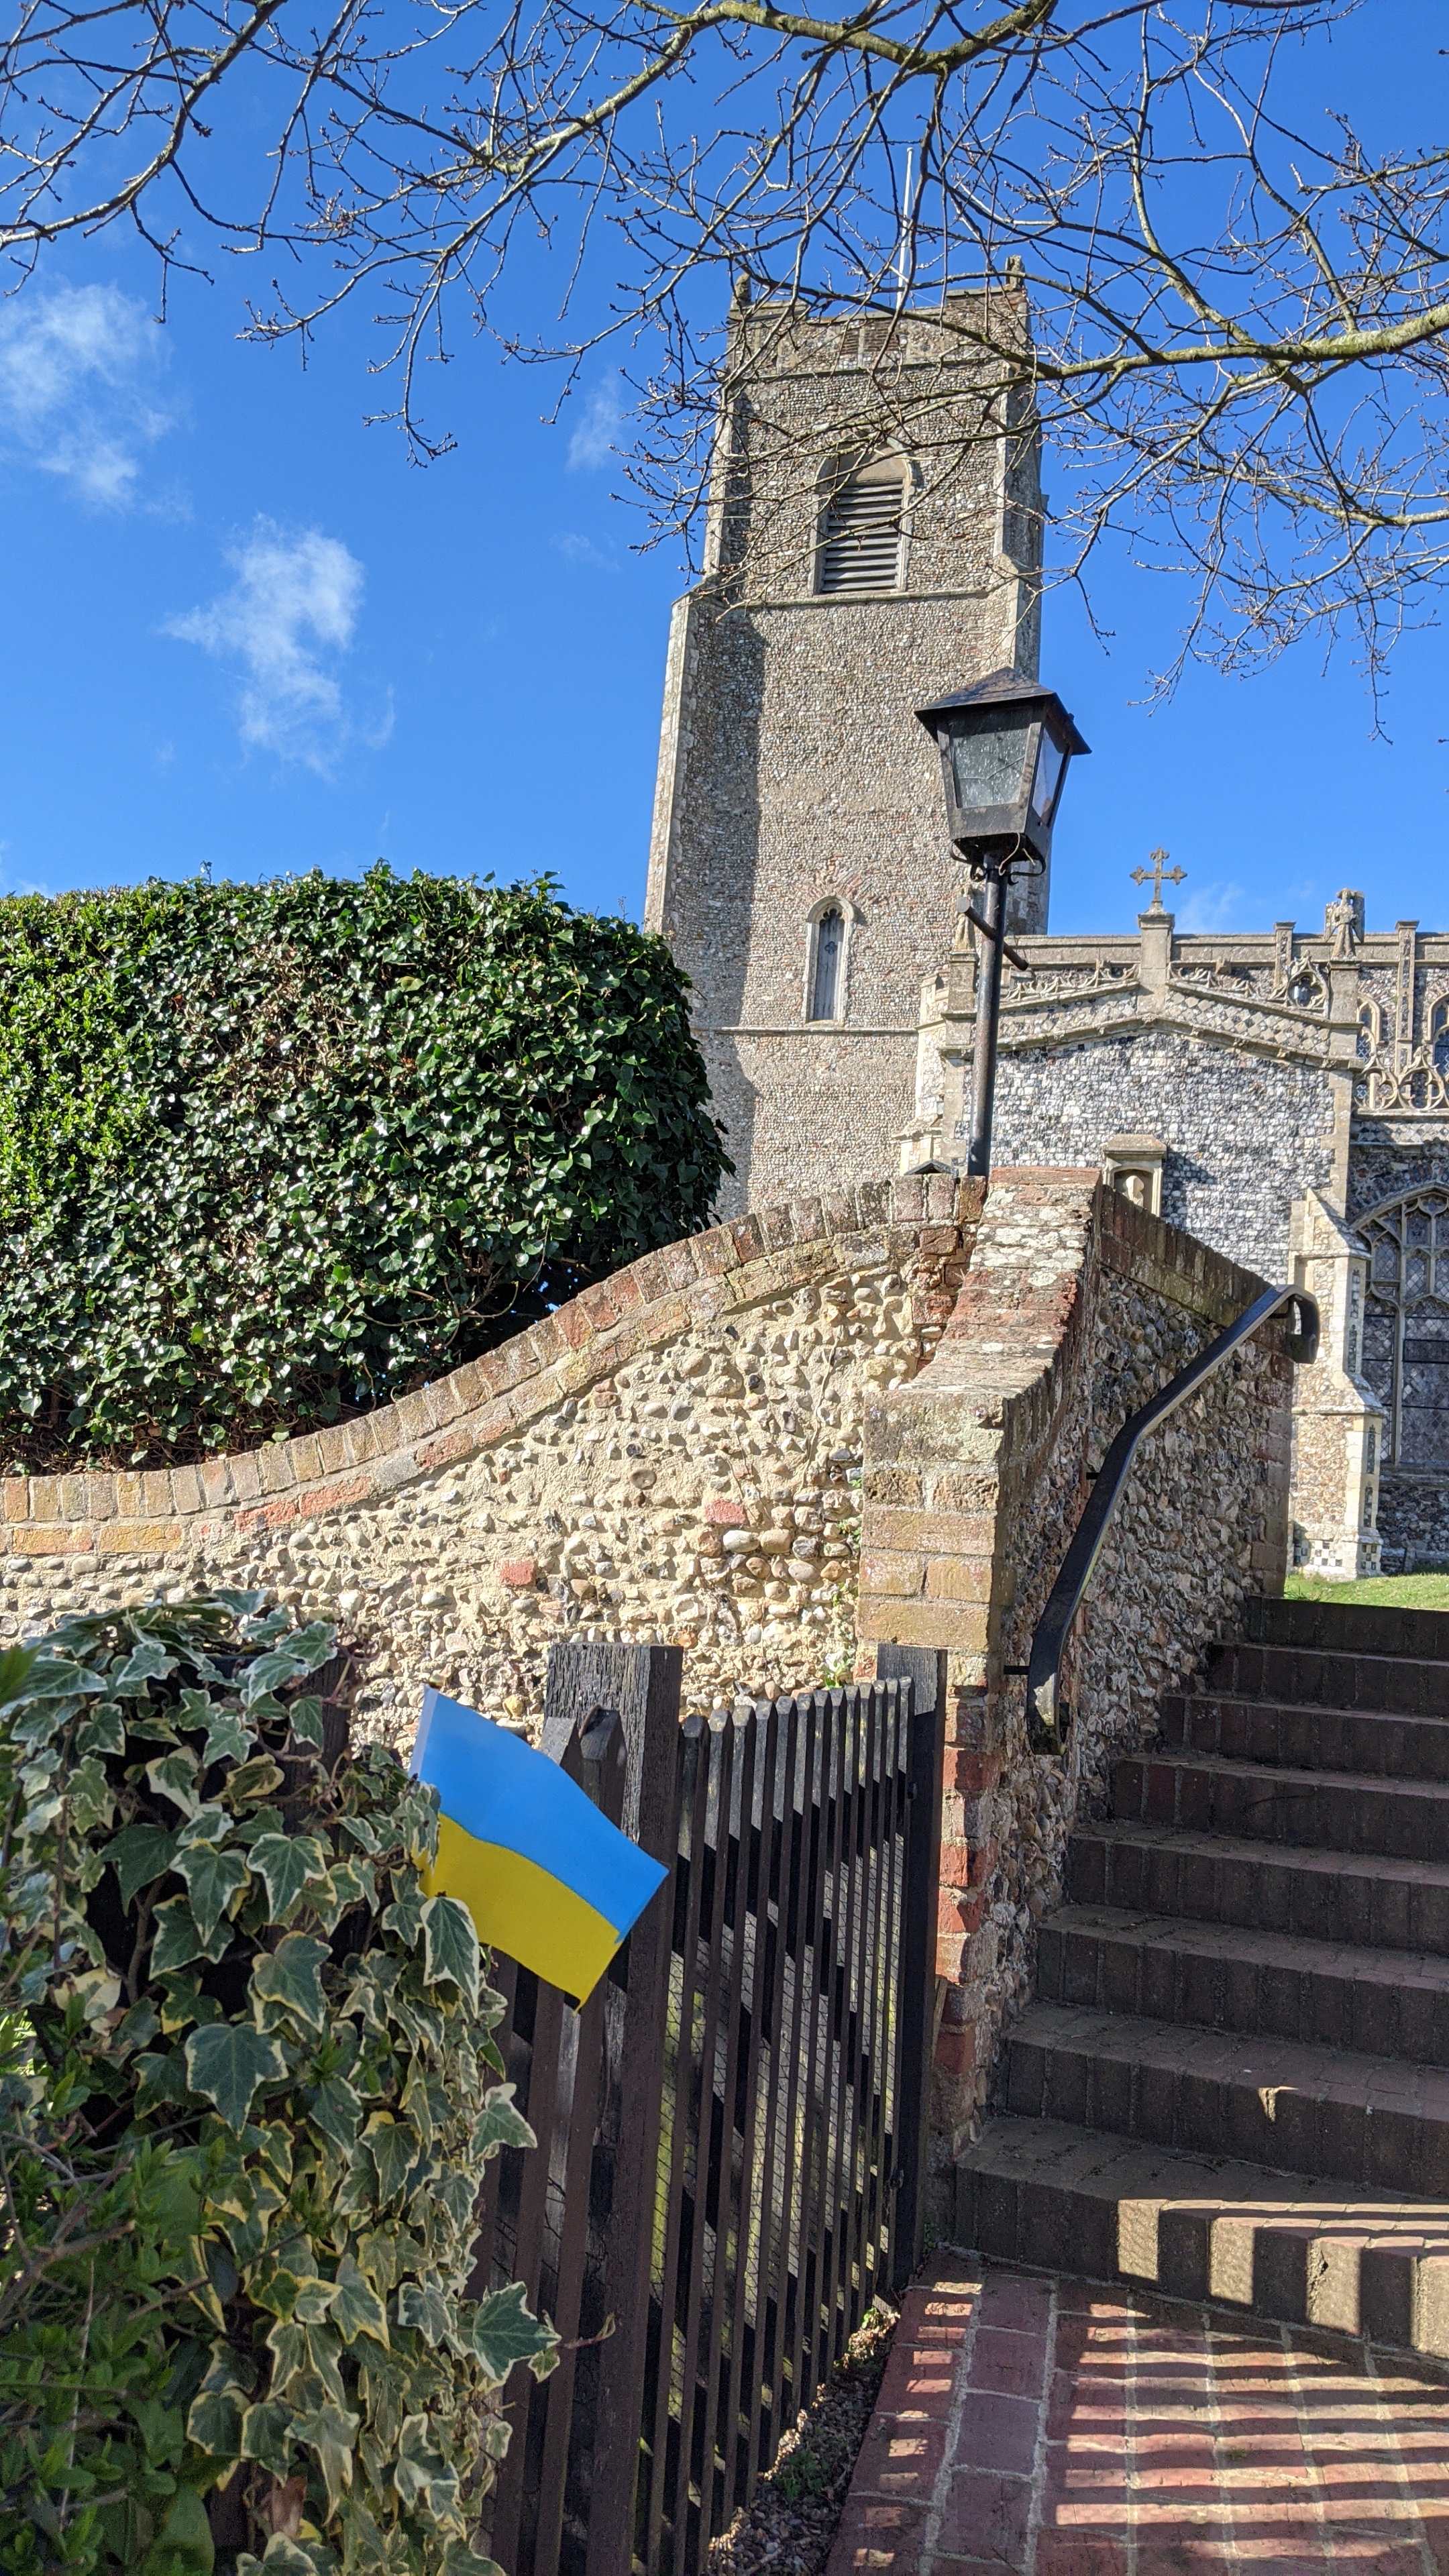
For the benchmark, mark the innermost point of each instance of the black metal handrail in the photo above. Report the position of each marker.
(1043, 1716)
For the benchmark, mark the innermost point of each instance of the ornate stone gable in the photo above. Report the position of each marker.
(1285, 1096)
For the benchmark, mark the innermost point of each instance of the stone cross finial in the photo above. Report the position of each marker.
(1155, 874)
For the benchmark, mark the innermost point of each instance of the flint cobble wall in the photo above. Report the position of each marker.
(674, 1455)
(1245, 1136)
(1077, 1308)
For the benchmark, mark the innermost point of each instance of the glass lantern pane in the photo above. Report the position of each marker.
(1050, 762)
(986, 763)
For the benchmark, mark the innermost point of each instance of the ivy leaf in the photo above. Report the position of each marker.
(288, 2558)
(500, 2124)
(138, 2026)
(89, 1796)
(179, 1938)
(405, 1914)
(228, 1737)
(173, 1776)
(393, 2146)
(254, 1779)
(289, 1980)
(208, 1825)
(285, 1862)
(267, 1674)
(331, 2432)
(336, 2109)
(213, 1878)
(306, 1720)
(356, 2307)
(214, 2421)
(504, 2331)
(450, 1946)
(160, 2081)
(103, 1731)
(264, 2433)
(139, 1856)
(17, 1664)
(420, 2474)
(313, 1645)
(422, 2306)
(147, 1661)
(182, 2001)
(226, 2063)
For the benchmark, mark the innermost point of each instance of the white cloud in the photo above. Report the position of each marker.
(1210, 907)
(77, 369)
(290, 613)
(592, 443)
(581, 549)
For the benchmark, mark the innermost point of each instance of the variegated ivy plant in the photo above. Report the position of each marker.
(247, 2094)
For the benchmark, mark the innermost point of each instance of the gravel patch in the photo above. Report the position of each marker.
(792, 2521)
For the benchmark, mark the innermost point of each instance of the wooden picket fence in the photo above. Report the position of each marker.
(731, 2133)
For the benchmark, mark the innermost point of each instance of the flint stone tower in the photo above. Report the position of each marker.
(874, 540)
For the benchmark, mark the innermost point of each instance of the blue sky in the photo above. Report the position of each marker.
(244, 631)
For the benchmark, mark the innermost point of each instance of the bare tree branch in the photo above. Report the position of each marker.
(1238, 341)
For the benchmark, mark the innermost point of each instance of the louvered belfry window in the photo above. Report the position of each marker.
(860, 539)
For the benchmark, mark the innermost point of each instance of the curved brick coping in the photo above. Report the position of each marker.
(640, 1308)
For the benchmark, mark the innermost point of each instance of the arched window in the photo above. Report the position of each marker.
(1439, 1036)
(1370, 1028)
(860, 532)
(1406, 1325)
(828, 965)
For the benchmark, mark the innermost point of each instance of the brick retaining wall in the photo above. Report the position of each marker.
(1077, 1307)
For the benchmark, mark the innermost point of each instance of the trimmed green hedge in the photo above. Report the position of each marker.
(270, 1155)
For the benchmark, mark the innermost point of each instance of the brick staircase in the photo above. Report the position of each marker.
(1233, 2083)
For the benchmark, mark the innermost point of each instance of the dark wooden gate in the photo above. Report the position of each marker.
(731, 2133)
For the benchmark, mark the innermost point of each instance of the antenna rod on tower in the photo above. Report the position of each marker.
(903, 259)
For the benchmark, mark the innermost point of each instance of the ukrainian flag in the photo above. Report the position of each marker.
(545, 1877)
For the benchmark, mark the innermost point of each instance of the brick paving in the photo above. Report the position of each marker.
(1053, 2428)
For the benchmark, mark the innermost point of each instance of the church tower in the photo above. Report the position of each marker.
(874, 540)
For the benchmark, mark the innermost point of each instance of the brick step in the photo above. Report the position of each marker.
(1342, 1628)
(1369, 1741)
(1218, 1878)
(1372, 2122)
(1395, 1685)
(1341, 1811)
(1301, 2253)
(1384, 2003)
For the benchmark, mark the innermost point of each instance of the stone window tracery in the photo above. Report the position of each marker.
(1439, 1035)
(1370, 1029)
(1307, 990)
(1406, 1325)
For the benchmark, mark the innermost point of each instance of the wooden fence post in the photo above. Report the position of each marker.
(925, 1669)
(638, 1688)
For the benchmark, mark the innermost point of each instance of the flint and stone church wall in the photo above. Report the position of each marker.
(794, 779)
(1243, 1133)
(1281, 1095)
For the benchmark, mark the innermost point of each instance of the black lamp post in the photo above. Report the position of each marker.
(1005, 749)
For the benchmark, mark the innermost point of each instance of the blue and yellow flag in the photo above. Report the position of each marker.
(545, 1877)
